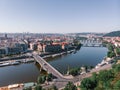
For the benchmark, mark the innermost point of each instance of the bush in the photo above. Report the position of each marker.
(117, 85)
(38, 87)
(105, 75)
(88, 84)
(74, 72)
(49, 77)
(116, 68)
(70, 86)
(41, 79)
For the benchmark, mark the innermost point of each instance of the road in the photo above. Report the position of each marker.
(47, 67)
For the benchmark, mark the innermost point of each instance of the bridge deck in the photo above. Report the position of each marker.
(47, 66)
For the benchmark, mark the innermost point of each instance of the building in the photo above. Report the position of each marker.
(23, 47)
(2, 51)
(52, 48)
(12, 50)
(40, 47)
(65, 46)
(33, 46)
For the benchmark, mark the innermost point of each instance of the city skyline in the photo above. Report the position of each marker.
(44, 16)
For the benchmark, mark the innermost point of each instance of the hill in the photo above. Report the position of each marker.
(113, 34)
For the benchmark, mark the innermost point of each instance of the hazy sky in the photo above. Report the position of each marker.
(59, 16)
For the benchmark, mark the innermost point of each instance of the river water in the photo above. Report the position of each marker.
(29, 72)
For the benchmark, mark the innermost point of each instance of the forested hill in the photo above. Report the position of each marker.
(113, 34)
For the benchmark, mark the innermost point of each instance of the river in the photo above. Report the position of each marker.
(29, 72)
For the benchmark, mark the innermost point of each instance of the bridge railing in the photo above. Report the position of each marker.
(49, 65)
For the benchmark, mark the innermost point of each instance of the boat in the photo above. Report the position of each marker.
(15, 63)
(31, 60)
(97, 45)
(4, 64)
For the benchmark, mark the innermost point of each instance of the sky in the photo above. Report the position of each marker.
(59, 16)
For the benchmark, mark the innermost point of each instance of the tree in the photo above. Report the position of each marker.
(116, 68)
(105, 75)
(94, 79)
(110, 47)
(41, 79)
(111, 54)
(87, 84)
(38, 87)
(70, 86)
(117, 85)
(74, 71)
(118, 51)
(49, 77)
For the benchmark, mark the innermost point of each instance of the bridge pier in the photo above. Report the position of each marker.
(41, 69)
(47, 67)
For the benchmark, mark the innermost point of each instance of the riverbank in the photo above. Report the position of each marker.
(79, 59)
(58, 54)
(29, 72)
(17, 60)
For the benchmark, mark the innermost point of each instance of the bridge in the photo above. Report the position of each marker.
(61, 81)
(46, 66)
(91, 43)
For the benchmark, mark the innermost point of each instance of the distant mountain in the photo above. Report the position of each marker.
(113, 34)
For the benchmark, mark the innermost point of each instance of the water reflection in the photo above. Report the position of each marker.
(85, 56)
(30, 71)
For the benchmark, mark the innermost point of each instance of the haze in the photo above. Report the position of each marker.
(59, 16)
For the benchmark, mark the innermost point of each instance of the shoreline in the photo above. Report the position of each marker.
(58, 54)
(10, 62)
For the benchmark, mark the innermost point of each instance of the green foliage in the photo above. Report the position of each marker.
(105, 75)
(94, 78)
(104, 80)
(115, 60)
(110, 47)
(117, 85)
(105, 44)
(70, 86)
(49, 77)
(118, 51)
(38, 87)
(88, 84)
(113, 34)
(41, 79)
(74, 71)
(111, 54)
(116, 68)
